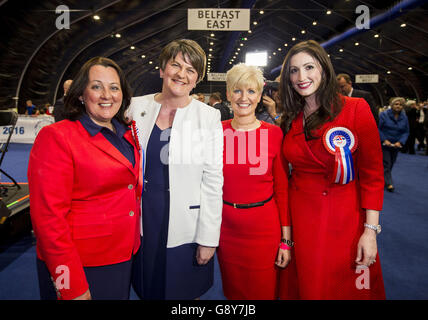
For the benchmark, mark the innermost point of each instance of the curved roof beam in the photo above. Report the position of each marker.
(106, 36)
(18, 89)
(392, 13)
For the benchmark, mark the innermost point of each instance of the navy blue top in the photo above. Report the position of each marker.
(116, 139)
(392, 129)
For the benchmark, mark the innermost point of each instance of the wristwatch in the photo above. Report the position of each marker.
(288, 242)
(376, 228)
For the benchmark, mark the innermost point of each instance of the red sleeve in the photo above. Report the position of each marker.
(370, 163)
(280, 182)
(50, 180)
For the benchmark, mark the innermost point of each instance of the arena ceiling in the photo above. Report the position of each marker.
(36, 57)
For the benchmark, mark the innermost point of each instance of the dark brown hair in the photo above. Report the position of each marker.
(188, 48)
(327, 94)
(73, 107)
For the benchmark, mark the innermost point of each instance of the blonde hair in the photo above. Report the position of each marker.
(395, 99)
(244, 75)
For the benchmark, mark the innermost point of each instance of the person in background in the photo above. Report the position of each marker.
(30, 108)
(216, 102)
(412, 114)
(420, 131)
(394, 131)
(345, 85)
(424, 108)
(85, 190)
(201, 97)
(268, 109)
(182, 197)
(255, 234)
(336, 185)
(59, 104)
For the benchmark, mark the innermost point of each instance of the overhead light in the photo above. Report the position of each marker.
(388, 72)
(210, 55)
(285, 44)
(143, 56)
(117, 35)
(255, 23)
(210, 49)
(132, 48)
(303, 32)
(249, 31)
(274, 53)
(328, 12)
(256, 58)
(261, 12)
(402, 25)
(357, 43)
(241, 44)
(376, 35)
(239, 49)
(410, 68)
(211, 43)
(341, 50)
(96, 17)
(279, 49)
(212, 34)
(293, 39)
(150, 62)
(314, 23)
(156, 67)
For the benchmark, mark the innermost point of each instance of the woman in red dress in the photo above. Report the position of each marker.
(254, 195)
(336, 185)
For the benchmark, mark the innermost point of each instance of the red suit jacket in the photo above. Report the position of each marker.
(328, 218)
(84, 203)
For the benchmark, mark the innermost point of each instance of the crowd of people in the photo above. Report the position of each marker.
(285, 182)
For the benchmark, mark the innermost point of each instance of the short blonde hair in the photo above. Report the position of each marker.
(395, 99)
(244, 75)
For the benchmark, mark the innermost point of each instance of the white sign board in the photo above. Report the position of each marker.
(26, 129)
(218, 19)
(366, 78)
(216, 76)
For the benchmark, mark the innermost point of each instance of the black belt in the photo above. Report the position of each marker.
(248, 205)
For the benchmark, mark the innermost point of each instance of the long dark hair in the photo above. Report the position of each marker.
(327, 94)
(73, 107)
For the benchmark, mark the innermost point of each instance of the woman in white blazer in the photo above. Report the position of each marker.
(182, 140)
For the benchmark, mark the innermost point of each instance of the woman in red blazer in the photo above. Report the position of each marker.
(85, 192)
(336, 184)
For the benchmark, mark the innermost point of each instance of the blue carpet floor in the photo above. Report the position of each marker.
(403, 243)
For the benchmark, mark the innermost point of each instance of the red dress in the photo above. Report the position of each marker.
(327, 218)
(249, 239)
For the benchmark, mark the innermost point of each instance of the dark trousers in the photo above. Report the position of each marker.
(420, 135)
(389, 157)
(410, 143)
(111, 282)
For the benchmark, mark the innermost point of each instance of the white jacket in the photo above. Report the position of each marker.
(195, 168)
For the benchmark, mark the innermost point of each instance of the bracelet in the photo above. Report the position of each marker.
(283, 246)
(277, 117)
(288, 242)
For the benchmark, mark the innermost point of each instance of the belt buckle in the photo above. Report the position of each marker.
(234, 205)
